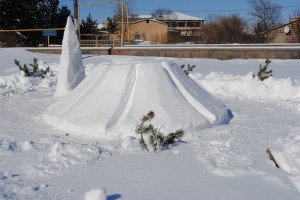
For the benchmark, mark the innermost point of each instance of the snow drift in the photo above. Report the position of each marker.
(247, 86)
(113, 98)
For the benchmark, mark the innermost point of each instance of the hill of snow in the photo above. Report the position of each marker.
(110, 102)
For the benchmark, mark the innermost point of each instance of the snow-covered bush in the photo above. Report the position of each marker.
(33, 70)
(263, 74)
(156, 138)
(20, 84)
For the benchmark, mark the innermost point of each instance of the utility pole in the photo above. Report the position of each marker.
(121, 16)
(75, 5)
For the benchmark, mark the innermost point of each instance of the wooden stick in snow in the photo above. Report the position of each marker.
(271, 157)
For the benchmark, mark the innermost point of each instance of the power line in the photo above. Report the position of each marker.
(97, 11)
(196, 11)
(216, 11)
(185, 11)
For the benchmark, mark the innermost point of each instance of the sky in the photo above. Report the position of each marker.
(196, 8)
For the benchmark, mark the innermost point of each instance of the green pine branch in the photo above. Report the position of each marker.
(156, 138)
(188, 69)
(144, 129)
(263, 72)
(33, 70)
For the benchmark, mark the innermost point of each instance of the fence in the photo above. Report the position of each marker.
(251, 51)
(100, 40)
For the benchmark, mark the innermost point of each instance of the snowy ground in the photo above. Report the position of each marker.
(228, 161)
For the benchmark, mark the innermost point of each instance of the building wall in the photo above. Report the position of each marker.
(223, 52)
(279, 36)
(149, 31)
(294, 35)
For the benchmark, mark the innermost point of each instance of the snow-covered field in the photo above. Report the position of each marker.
(41, 160)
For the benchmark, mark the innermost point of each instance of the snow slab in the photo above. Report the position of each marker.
(71, 71)
(110, 102)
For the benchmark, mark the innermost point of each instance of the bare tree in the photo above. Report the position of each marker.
(225, 29)
(296, 13)
(114, 23)
(131, 5)
(266, 13)
(161, 13)
(234, 28)
(212, 30)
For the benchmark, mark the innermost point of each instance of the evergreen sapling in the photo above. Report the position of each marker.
(143, 129)
(263, 73)
(156, 139)
(33, 70)
(188, 69)
(171, 137)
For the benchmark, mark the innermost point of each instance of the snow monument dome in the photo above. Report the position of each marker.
(111, 100)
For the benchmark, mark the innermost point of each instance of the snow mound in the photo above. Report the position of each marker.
(247, 86)
(111, 100)
(20, 84)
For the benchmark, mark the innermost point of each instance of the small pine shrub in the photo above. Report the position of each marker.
(156, 138)
(171, 137)
(263, 73)
(33, 70)
(143, 129)
(188, 68)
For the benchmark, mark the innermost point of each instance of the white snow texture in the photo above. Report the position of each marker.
(223, 162)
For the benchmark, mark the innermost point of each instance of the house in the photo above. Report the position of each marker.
(148, 30)
(184, 28)
(286, 33)
(173, 28)
(181, 27)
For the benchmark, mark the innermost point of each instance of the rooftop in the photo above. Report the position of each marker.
(175, 16)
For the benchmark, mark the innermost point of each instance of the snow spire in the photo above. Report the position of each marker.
(71, 70)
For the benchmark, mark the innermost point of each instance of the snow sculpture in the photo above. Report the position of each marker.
(112, 99)
(71, 71)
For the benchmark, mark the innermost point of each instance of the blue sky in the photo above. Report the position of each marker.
(195, 8)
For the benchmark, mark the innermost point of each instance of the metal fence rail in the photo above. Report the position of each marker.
(100, 40)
